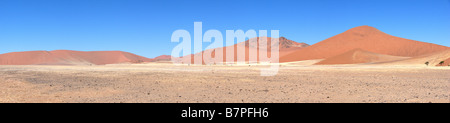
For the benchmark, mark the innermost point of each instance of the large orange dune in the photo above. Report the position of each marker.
(68, 57)
(365, 38)
(357, 56)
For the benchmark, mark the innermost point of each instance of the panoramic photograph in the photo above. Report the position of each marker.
(224, 51)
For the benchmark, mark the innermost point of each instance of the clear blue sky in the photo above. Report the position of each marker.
(144, 27)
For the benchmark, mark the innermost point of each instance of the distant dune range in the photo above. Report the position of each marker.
(68, 57)
(162, 58)
(286, 46)
(359, 45)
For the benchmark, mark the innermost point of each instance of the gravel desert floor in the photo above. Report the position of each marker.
(167, 83)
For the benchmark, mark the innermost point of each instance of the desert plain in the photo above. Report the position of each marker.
(360, 65)
(168, 83)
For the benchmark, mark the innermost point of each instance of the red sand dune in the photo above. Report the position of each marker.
(366, 38)
(357, 56)
(162, 58)
(286, 46)
(68, 57)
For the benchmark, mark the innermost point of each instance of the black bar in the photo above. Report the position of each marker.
(275, 111)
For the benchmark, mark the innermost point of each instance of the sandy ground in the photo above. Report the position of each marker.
(218, 84)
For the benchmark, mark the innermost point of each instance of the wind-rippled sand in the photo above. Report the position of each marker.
(217, 84)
